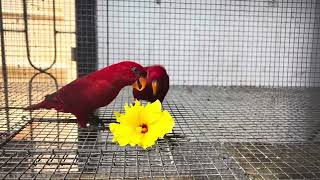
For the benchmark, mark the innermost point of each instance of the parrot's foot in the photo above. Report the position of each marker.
(96, 123)
(95, 128)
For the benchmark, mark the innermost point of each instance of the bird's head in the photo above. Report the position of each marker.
(154, 74)
(132, 73)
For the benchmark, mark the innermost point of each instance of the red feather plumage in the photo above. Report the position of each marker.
(84, 95)
(159, 74)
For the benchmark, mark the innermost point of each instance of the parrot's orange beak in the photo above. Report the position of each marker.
(154, 87)
(140, 84)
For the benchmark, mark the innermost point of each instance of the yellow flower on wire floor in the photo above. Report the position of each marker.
(141, 125)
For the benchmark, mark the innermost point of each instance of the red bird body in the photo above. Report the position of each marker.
(83, 96)
(155, 75)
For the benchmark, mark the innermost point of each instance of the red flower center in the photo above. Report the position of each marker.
(144, 128)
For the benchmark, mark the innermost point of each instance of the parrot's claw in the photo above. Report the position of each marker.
(103, 127)
(95, 121)
(94, 128)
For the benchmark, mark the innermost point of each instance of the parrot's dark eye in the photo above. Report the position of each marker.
(135, 70)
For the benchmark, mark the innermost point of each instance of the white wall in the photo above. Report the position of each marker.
(216, 42)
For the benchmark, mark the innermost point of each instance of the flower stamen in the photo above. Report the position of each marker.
(144, 128)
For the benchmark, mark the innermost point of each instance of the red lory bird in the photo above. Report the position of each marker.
(157, 85)
(84, 95)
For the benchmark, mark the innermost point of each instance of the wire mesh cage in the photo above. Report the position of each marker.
(244, 87)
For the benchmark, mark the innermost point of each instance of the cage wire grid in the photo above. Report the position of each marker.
(213, 51)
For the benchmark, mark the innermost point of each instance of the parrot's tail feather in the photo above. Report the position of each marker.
(41, 105)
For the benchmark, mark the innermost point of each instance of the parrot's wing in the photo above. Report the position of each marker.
(85, 94)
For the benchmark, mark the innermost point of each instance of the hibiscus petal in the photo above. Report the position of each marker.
(141, 125)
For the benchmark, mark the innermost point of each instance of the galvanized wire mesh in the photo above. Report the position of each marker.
(220, 42)
(226, 133)
(221, 132)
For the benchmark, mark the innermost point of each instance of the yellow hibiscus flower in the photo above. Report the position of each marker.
(141, 125)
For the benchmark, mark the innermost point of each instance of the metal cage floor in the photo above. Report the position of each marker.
(220, 133)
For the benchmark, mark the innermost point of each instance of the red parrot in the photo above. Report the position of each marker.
(84, 95)
(157, 85)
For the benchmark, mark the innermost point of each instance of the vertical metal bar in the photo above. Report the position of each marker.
(108, 49)
(25, 20)
(4, 69)
(86, 32)
(55, 57)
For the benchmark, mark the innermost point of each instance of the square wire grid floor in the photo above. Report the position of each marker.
(220, 133)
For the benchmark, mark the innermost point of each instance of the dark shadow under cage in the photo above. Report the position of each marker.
(244, 76)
